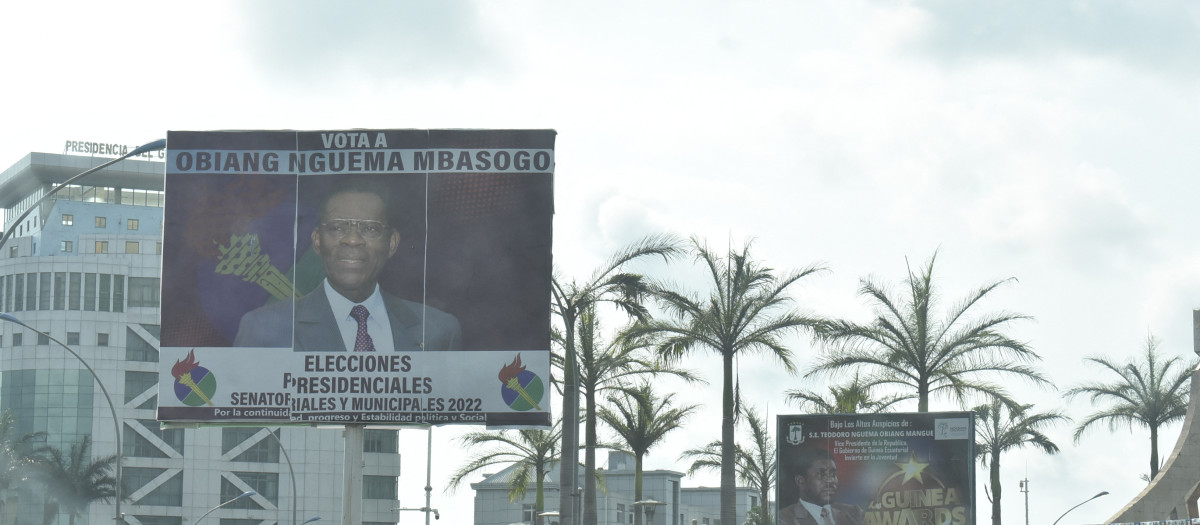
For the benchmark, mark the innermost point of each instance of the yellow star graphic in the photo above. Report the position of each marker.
(912, 469)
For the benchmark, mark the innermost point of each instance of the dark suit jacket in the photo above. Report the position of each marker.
(316, 330)
(796, 514)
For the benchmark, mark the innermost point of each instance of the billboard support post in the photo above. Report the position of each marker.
(353, 473)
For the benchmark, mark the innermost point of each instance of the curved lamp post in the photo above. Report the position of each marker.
(1102, 493)
(111, 407)
(295, 501)
(246, 494)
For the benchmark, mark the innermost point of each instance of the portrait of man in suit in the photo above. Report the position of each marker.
(355, 236)
(816, 478)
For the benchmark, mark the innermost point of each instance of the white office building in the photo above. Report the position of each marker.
(84, 267)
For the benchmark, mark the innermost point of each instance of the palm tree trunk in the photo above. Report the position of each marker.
(923, 395)
(570, 431)
(728, 466)
(1153, 451)
(539, 503)
(764, 510)
(995, 477)
(637, 489)
(589, 460)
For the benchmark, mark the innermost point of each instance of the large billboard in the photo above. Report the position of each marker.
(357, 276)
(876, 469)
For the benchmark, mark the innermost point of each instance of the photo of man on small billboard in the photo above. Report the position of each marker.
(876, 469)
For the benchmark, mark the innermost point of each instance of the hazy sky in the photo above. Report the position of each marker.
(1053, 142)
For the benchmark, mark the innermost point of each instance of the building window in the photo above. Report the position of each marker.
(31, 291)
(136, 446)
(73, 300)
(89, 292)
(44, 291)
(143, 291)
(265, 450)
(43, 339)
(118, 293)
(138, 382)
(266, 484)
(101, 339)
(169, 494)
(173, 438)
(381, 441)
(527, 513)
(18, 339)
(105, 292)
(131, 224)
(131, 246)
(620, 513)
(18, 293)
(12, 252)
(72, 338)
(101, 222)
(60, 290)
(68, 219)
(101, 246)
(66, 246)
(379, 487)
(137, 349)
(162, 520)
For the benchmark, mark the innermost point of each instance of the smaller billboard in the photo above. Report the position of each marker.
(876, 469)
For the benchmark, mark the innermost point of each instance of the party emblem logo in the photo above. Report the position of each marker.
(795, 434)
(522, 390)
(194, 384)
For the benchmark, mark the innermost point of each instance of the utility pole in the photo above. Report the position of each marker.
(1025, 489)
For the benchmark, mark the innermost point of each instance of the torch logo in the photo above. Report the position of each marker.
(522, 390)
(194, 384)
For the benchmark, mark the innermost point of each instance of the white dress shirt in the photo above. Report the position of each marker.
(378, 326)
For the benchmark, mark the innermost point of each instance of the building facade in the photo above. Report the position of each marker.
(84, 267)
(677, 505)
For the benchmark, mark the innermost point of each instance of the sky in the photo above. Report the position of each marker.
(1048, 142)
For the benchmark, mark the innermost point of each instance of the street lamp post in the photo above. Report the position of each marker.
(246, 494)
(295, 501)
(1102, 493)
(118, 517)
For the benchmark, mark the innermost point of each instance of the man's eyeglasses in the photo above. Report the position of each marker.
(369, 230)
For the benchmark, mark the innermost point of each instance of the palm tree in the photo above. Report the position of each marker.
(852, 398)
(740, 315)
(608, 367)
(905, 345)
(1001, 427)
(755, 465)
(76, 480)
(625, 290)
(641, 419)
(18, 454)
(1151, 393)
(532, 451)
